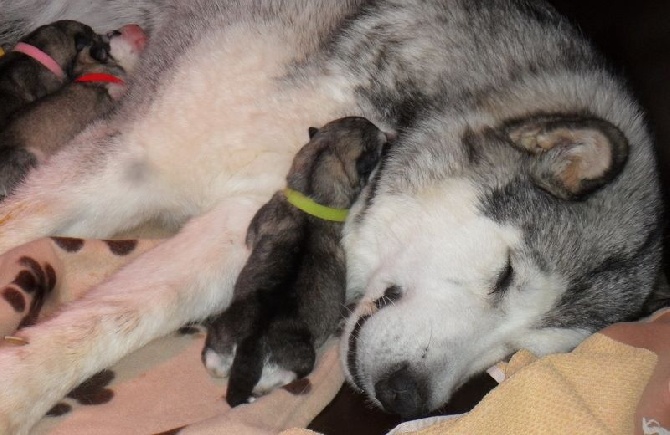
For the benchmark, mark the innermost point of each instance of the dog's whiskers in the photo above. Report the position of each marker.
(430, 339)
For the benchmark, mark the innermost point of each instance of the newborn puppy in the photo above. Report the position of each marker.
(41, 128)
(289, 296)
(40, 63)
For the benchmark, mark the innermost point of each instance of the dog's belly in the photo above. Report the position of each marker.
(219, 121)
(228, 123)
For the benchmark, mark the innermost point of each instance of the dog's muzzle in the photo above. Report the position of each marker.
(392, 294)
(402, 392)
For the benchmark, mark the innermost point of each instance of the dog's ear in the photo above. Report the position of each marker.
(312, 131)
(570, 155)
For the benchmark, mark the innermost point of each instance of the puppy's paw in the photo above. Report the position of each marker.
(218, 363)
(273, 377)
(220, 347)
(116, 90)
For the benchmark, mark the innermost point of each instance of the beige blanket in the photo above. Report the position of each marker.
(163, 387)
(593, 390)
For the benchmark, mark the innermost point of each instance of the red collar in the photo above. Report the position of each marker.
(98, 78)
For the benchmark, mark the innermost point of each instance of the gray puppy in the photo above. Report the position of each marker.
(24, 79)
(41, 128)
(289, 297)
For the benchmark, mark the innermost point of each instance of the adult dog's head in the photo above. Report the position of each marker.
(481, 236)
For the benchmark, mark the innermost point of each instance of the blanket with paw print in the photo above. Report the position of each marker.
(162, 388)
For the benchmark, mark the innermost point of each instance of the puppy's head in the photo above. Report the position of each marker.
(117, 54)
(64, 40)
(338, 160)
(88, 62)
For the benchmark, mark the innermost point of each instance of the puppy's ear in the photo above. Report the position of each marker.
(307, 157)
(312, 131)
(366, 163)
(570, 155)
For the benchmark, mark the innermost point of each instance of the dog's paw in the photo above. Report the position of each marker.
(217, 363)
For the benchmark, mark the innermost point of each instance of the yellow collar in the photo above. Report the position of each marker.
(310, 207)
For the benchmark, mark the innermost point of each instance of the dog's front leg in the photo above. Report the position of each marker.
(186, 278)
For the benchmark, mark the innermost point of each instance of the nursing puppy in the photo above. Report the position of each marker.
(289, 296)
(40, 129)
(25, 15)
(24, 79)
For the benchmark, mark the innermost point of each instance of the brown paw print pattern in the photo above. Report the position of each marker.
(121, 247)
(299, 387)
(34, 283)
(93, 391)
(26, 294)
(68, 244)
(117, 247)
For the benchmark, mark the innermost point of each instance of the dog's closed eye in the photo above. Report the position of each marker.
(505, 278)
(392, 294)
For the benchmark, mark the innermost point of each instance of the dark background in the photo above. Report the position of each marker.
(635, 35)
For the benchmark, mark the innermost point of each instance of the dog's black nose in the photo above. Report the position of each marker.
(402, 393)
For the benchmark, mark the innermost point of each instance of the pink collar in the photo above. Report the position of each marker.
(40, 56)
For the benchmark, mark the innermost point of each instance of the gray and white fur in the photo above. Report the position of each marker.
(289, 297)
(519, 206)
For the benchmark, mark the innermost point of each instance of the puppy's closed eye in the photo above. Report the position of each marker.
(82, 41)
(366, 162)
(100, 53)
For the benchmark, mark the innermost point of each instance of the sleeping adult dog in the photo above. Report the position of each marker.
(519, 206)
